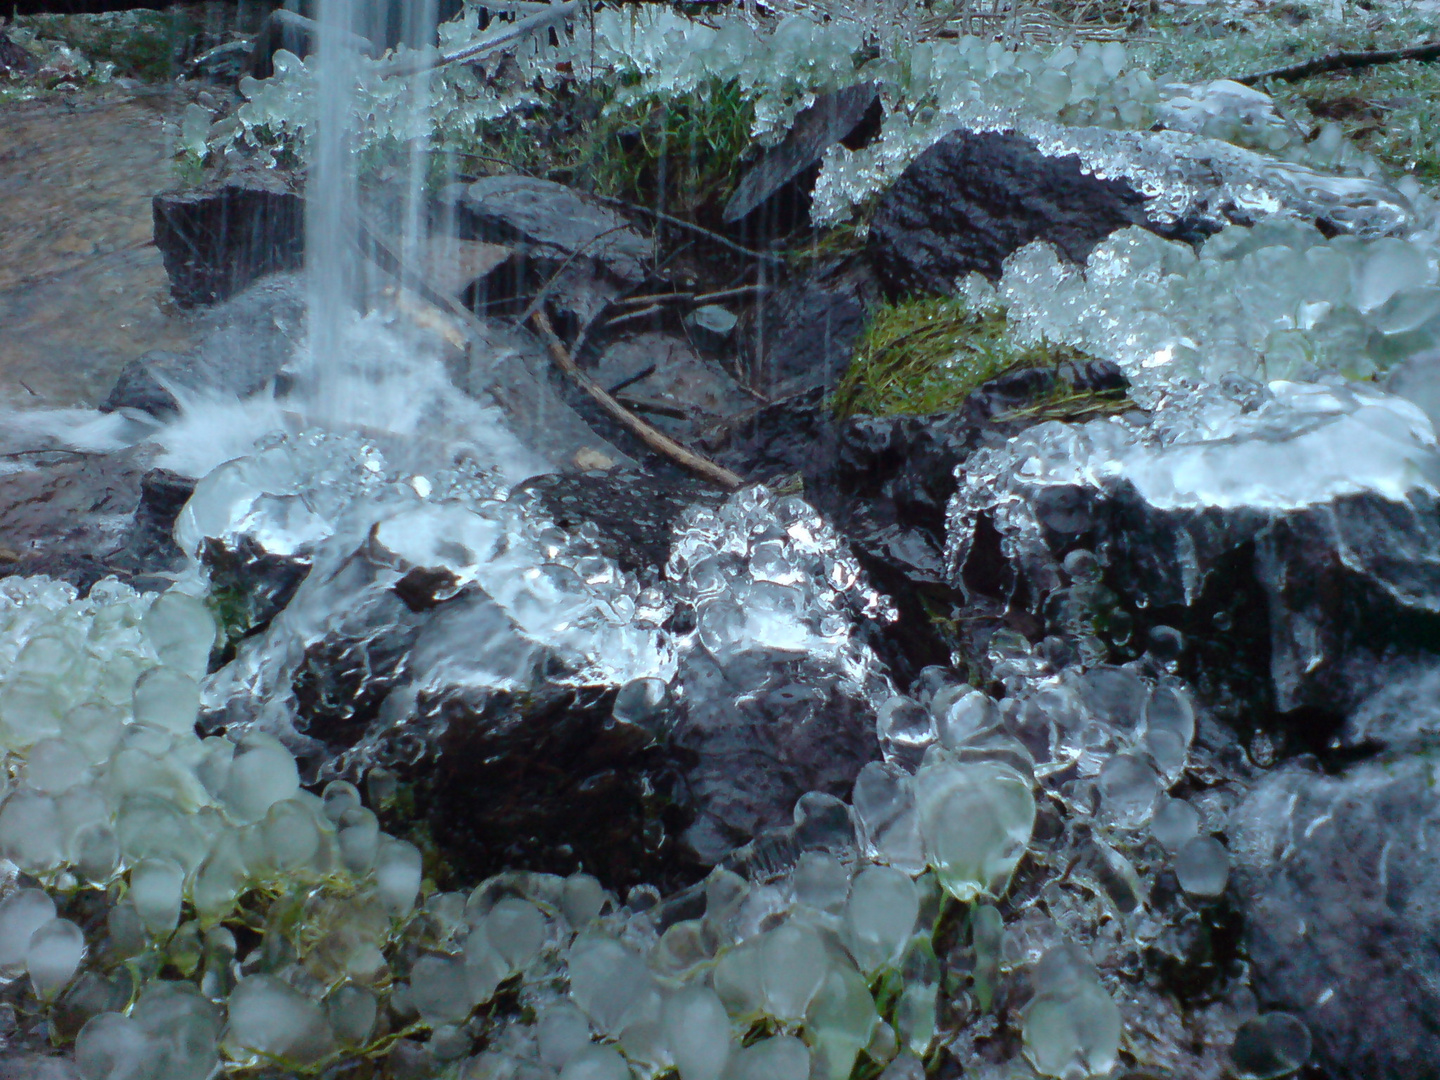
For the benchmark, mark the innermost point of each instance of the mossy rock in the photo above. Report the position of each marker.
(924, 356)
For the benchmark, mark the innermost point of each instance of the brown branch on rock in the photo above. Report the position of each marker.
(655, 440)
(690, 226)
(1343, 61)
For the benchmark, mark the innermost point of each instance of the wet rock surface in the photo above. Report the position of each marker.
(218, 238)
(776, 188)
(630, 515)
(240, 348)
(1336, 879)
(832, 302)
(975, 197)
(82, 517)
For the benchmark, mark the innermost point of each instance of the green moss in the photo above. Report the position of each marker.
(928, 355)
(141, 44)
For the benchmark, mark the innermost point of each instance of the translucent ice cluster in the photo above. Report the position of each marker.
(540, 604)
(765, 571)
(1277, 301)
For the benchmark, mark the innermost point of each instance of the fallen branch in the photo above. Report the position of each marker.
(484, 46)
(698, 230)
(1344, 61)
(655, 440)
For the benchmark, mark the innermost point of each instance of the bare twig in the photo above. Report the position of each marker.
(643, 373)
(656, 440)
(698, 230)
(544, 292)
(493, 42)
(1343, 61)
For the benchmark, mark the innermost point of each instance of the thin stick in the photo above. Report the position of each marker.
(698, 230)
(656, 440)
(486, 45)
(1344, 61)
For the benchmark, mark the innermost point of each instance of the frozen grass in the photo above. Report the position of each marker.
(1391, 111)
(928, 355)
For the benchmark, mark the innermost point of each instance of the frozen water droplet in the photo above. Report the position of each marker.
(596, 1063)
(339, 797)
(167, 699)
(359, 839)
(1270, 1046)
(269, 1017)
(54, 766)
(440, 990)
(905, 728)
(21, 914)
(183, 1027)
(516, 930)
(1203, 867)
(1128, 788)
(609, 982)
(965, 717)
(30, 832)
(262, 774)
(397, 874)
(821, 881)
(975, 820)
(53, 956)
(880, 917)
(1072, 1027)
(792, 969)
(181, 630)
(885, 811)
(697, 1031)
(114, 1047)
(155, 890)
(582, 900)
(737, 980)
(840, 1022)
(352, 1011)
(562, 1032)
(1175, 822)
(780, 1057)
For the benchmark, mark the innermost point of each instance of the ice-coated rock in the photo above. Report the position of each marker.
(1204, 492)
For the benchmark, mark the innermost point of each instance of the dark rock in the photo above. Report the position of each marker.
(761, 729)
(661, 377)
(82, 517)
(509, 367)
(1288, 617)
(975, 197)
(15, 61)
(221, 236)
(831, 303)
(551, 783)
(632, 513)
(1339, 880)
(151, 547)
(850, 116)
(553, 224)
(241, 347)
(774, 443)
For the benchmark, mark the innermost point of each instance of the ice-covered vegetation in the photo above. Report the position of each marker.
(185, 903)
